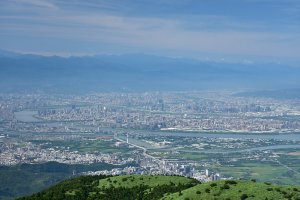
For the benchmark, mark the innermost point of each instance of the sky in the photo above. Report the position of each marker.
(243, 30)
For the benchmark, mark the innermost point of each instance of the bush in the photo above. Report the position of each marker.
(198, 192)
(288, 196)
(270, 189)
(230, 182)
(124, 179)
(244, 196)
(207, 190)
(213, 185)
(225, 186)
(283, 192)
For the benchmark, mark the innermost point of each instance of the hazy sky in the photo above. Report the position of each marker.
(243, 29)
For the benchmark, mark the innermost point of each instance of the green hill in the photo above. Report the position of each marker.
(162, 187)
(25, 179)
(236, 190)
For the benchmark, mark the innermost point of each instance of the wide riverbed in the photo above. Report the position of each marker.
(26, 116)
(267, 136)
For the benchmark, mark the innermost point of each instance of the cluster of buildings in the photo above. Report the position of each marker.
(181, 170)
(70, 116)
(180, 113)
(149, 111)
(27, 152)
(12, 154)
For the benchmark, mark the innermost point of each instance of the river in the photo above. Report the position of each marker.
(26, 116)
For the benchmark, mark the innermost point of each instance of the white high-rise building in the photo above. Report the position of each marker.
(207, 173)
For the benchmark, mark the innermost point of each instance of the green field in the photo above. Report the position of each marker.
(262, 171)
(86, 146)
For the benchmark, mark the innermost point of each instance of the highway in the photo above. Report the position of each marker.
(137, 146)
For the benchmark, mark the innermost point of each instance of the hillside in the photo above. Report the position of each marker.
(25, 179)
(234, 190)
(162, 187)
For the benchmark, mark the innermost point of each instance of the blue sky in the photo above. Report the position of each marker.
(213, 29)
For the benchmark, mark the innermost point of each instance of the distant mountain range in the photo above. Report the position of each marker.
(135, 72)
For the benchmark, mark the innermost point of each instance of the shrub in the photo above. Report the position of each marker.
(283, 192)
(213, 185)
(207, 190)
(270, 189)
(225, 186)
(244, 196)
(288, 196)
(198, 192)
(230, 182)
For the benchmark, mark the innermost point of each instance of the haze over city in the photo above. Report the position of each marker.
(149, 99)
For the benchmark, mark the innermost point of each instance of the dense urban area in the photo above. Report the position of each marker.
(204, 135)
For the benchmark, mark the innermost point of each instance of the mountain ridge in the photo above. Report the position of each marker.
(135, 72)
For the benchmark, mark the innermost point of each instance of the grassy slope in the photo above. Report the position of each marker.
(131, 187)
(130, 181)
(119, 187)
(249, 189)
(26, 179)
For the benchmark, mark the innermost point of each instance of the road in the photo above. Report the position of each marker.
(137, 146)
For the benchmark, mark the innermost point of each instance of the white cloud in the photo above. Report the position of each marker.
(21, 6)
(158, 33)
(169, 34)
(38, 3)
